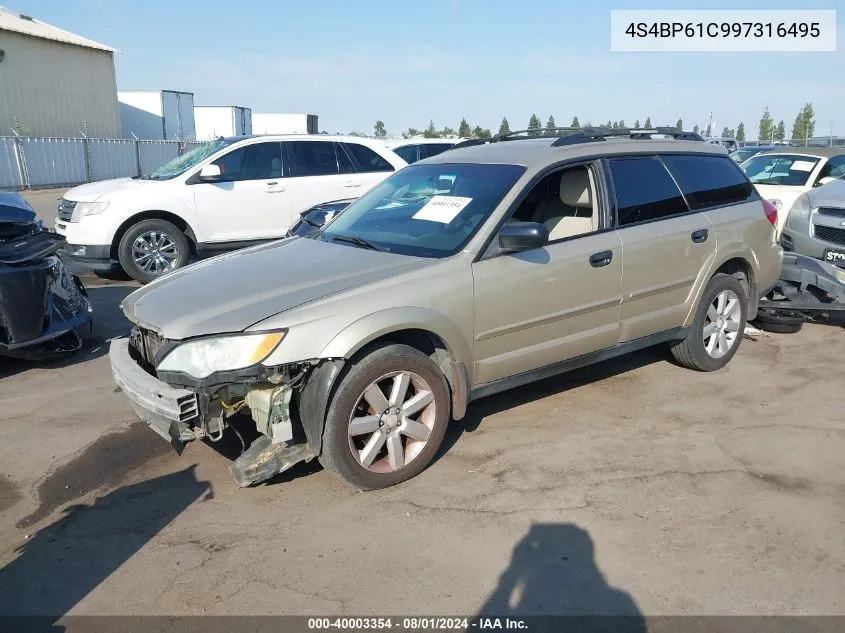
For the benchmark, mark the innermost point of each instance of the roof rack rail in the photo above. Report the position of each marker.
(588, 135)
(575, 135)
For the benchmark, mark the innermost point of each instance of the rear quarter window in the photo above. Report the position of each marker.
(709, 181)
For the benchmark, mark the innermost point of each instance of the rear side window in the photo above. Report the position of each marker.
(313, 158)
(408, 153)
(644, 191)
(367, 159)
(709, 181)
(433, 149)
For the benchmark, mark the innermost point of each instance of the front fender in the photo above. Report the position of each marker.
(367, 329)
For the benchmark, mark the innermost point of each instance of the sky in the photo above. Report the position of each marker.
(408, 61)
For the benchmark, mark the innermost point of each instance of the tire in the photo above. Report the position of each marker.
(379, 429)
(701, 352)
(153, 231)
(779, 321)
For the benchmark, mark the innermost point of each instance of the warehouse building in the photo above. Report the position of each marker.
(53, 83)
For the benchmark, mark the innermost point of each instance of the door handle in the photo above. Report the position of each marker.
(274, 190)
(350, 184)
(597, 260)
(699, 236)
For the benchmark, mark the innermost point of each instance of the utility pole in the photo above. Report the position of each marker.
(830, 135)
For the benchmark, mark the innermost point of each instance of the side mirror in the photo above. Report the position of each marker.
(210, 173)
(523, 236)
(825, 180)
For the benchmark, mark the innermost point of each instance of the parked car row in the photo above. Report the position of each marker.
(226, 194)
(358, 342)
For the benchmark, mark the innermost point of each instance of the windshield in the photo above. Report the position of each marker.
(183, 163)
(779, 169)
(425, 210)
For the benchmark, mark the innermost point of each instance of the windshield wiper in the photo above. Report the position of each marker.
(358, 241)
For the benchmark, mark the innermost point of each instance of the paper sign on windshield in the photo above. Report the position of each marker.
(802, 165)
(442, 208)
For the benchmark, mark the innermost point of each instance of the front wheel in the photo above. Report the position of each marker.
(151, 248)
(718, 327)
(386, 419)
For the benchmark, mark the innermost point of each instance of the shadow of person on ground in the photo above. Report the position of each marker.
(63, 562)
(481, 409)
(553, 573)
(108, 322)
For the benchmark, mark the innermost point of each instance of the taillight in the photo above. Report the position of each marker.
(771, 212)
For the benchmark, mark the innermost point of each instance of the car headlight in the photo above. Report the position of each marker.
(87, 208)
(203, 357)
(801, 207)
(776, 203)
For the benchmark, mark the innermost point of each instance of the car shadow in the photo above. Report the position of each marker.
(65, 561)
(553, 573)
(478, 410)
(108, 322)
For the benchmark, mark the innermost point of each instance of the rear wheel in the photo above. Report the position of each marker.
(717, 330)
(386, 419)
(151, 248)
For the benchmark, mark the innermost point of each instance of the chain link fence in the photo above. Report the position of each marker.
(43, 162)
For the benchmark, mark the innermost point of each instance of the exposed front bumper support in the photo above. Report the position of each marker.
(169, 411)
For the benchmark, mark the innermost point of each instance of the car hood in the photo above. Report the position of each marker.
(830, 195)
(104, 189)
(231, 292)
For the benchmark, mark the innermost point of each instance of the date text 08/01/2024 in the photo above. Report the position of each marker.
(416, 624)
(723, 29)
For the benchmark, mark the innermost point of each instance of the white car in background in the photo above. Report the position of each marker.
(413, 149)
(226, 194)
(781, 176)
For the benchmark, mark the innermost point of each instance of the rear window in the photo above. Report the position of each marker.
(433, 149)
(644, 191)
(709, 181)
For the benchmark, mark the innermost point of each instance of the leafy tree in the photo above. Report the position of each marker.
(478, 132)
(534, 125)
(379, 129)
(696, 129)
(354, 133)
(679, 125)
(430, 131)
(609, 124)
(726, 132)
(505, 127)
(637, 124)
(588, 124)
(550, 124)
(647, 123)
(740, 131)
(622, 123)
(447, 132)
(780, 131)
(575, 122)
(412, 131)
(708, 131)
(464, 130)
(805, 123)
(766, 126)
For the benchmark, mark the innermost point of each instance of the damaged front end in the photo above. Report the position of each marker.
(44, 310)
(284, 405)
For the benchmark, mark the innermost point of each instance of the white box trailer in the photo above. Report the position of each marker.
(157, 114)
(284, 124)
(215, 121)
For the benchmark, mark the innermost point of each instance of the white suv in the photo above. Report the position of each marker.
(226, 194)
